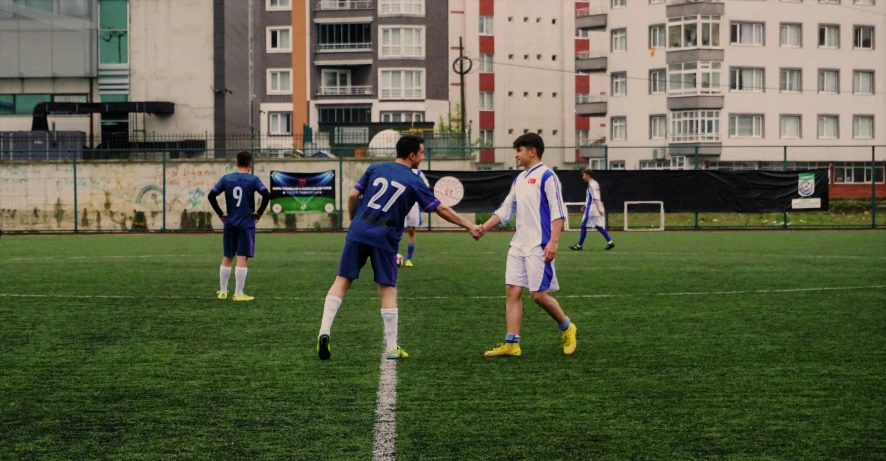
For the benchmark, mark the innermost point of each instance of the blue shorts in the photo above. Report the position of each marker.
(239, 241)
(353, 258)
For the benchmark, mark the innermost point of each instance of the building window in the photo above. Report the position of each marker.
(683, 32)
(863, 38)
(745, 79)
(487, 137)
(485, 25)
(400, 7)
(344, 37)
(280, 123)
(658, 127)
(829, 81)
(828, 127)
(657, 36)
(617, 165)
(619, 129)
(790, 127)
(582, 33)
(857, 172)
(279, 39)
(619, 3)
(791, 35)
(695, 126)
(279, 81)
(863, 82)
(829, 36)
(278, 5)
(745, 126)
(864, 2)
(619, 84)
(657, 79)
(746, 33)
(863, 127)
(486, 63)
(582, 98)
(619, 40)
(113, 43)
(683, 79)
(335, 82)
(24, 104)
(487, 100)
(344, 114)
(581, 138)
(402, 42)
(791, 80)
(402, 117)
(402, 84)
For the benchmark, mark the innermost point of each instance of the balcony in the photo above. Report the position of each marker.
(345, 91)
(591, 106)
(679, 8)
(340, 5)
(591, 61)
(591, 18)
(338, 47)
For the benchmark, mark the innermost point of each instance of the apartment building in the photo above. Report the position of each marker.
(718, 77)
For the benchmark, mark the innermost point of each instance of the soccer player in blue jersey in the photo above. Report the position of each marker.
(239, 230)
(593, 211)
(535, 199)
(378, 206)
(413, 220)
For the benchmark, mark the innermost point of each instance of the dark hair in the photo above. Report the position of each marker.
(530, 140)
(588, 171)
(244, 158)
(409, 144)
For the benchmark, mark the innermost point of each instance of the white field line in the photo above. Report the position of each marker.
(319, 299)
(384, 443)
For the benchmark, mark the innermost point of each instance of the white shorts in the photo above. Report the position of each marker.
(593, 221)
(531, 271)
(413, 219)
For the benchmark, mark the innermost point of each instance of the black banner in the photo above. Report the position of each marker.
(746, 191)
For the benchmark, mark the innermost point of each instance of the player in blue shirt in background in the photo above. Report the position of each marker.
(378, 206)
(239, 230)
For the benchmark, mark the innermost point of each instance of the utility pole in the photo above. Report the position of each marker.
(251, 77)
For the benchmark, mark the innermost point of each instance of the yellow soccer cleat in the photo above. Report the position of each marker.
(243, 297)
(222, 295)
(504, 350)
(323, 347)
(568, 341)
(408, 263)
(397, 353)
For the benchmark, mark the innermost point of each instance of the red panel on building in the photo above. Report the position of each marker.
(578, 158)
(487, 82)
(582, 44)
(487, 7)
(487, 156)
(487, 120)
(582, 122)
(582, 83)
(487, 44)
(580, 5)
(855, 191)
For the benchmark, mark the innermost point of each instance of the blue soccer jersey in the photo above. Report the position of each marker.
(389, 191)
(239, 189)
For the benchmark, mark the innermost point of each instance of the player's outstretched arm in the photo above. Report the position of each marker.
(490, 223)
(353, 202)
(450, 215)
(212, 197)
(551, 247)
(265, 199)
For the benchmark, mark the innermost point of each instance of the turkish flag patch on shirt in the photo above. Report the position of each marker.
(531, 181)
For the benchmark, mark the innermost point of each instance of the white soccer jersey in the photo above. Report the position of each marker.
(536, 201)
(592, 199)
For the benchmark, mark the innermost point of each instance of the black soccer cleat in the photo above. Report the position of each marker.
(323, 347)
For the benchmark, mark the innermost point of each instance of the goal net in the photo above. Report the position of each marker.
(644, 216)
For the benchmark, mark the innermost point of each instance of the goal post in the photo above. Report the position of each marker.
(661, 217)
(571, 206)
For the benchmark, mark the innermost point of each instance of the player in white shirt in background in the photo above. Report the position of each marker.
(413, 220)
(593, 212)
(536, 201)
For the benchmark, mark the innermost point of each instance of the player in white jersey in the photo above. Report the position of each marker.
(413, 220)
(593, 212)
(536, 201)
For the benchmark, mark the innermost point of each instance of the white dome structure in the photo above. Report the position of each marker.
(384, 144)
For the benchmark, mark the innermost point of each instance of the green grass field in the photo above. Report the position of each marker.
(691, 345)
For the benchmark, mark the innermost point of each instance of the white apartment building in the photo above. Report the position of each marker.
(736, 81)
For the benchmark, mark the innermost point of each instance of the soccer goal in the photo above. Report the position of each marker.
(573, 213)
(645, 209)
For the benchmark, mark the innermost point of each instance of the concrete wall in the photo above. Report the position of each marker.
(118, 196)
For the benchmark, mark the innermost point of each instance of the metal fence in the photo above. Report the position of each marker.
(157, 190)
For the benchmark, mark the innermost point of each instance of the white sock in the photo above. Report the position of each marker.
(240, 277)
(390, 318)
(224, 274)
(330, 308)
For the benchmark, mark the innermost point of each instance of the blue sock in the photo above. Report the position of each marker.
(605, 234)
(564, 325)
(411, 248)
(509, 338)
(584, 233)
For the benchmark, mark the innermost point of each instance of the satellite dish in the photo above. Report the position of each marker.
(384, 144)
